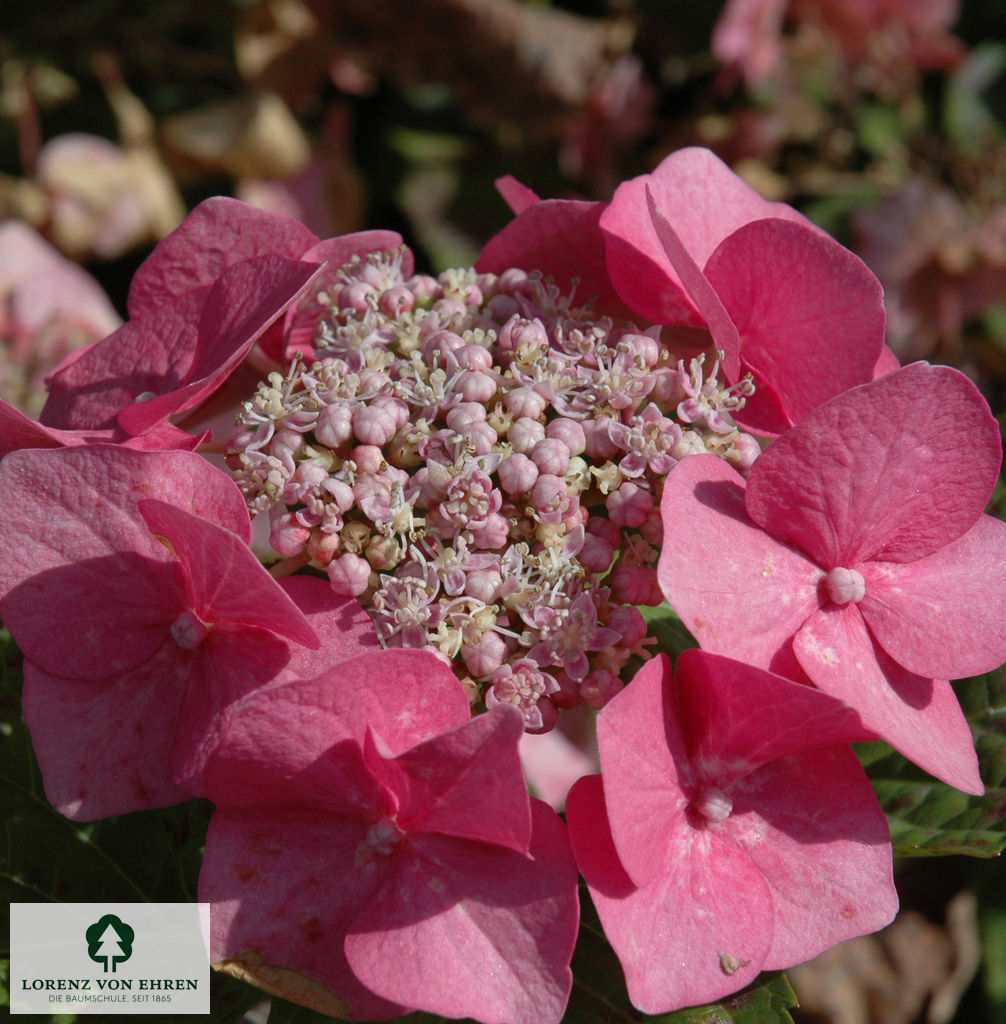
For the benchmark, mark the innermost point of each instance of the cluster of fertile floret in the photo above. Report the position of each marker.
(480, 462)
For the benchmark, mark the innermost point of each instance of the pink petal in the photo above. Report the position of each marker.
(217, 234)
(920, 717)
(104, 745)
(232, 662)
(444, 784)
(704, 202)
(516, 194)
(247, 298)
(75, 552)
(224, 582)
(561, 238)
(406, 696)
(288, 884)
(737, 590)
(343, 628)
(810, 314)
(736, 717)
(699, 931)
(698, 290)
(464, 929)
(813, 828)
(647, 779)
(944, 615)
(878, 473)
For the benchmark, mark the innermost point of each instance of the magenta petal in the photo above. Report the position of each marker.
(286, 883)
(231, 663)
(343, 628)
(813, 828)
(445, 784)
(945, 615)
(74, 551)
(920, 717)
(238, 308)
(516, 194)
(699, 931)
(738, 717)
(225, 582)
(405, 696)
(879, 472)
(464, 929)
(142, 356)
(104, 746)
(217, 234)
(645, 779)
(561, 238)
(699, 290)
(738, 591)
(810, 313)
(704, 202)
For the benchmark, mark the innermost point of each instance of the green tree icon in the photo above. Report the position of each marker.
(109, 941)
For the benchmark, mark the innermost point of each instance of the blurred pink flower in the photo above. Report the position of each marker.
(371, 835)
(858, 553)
(49, 306)
(731, 830)
(749, 35)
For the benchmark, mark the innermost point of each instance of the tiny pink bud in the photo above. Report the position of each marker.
(597, 441)
(524, 434)
(483, 585)
(334, 426)
(462, 416)
(570, 432)
(373, 425)
(354, 296)
(322, 548)
(635, 584)
(349, 575)
(368, 458)
(492, 533)
(629, 505)
(525, 401)
(288, 536)
(551, 456)
(599, 687)
(475, 386)
(486, 656)
(517, 474)
(397, 299)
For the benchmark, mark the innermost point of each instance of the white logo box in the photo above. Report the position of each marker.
(128, 958)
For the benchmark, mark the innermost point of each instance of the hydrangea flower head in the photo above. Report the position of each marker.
(466, 454)
(372, 836)
(857, 553)
(731, 831)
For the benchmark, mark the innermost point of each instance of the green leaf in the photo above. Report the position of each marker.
(148, 856)
(670, 632)
(928, 818)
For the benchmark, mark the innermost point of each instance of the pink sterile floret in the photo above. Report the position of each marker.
(127, 581)
(693, 245)
(731, 830)
(374, 838)
(857, 553)
(198, 304)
